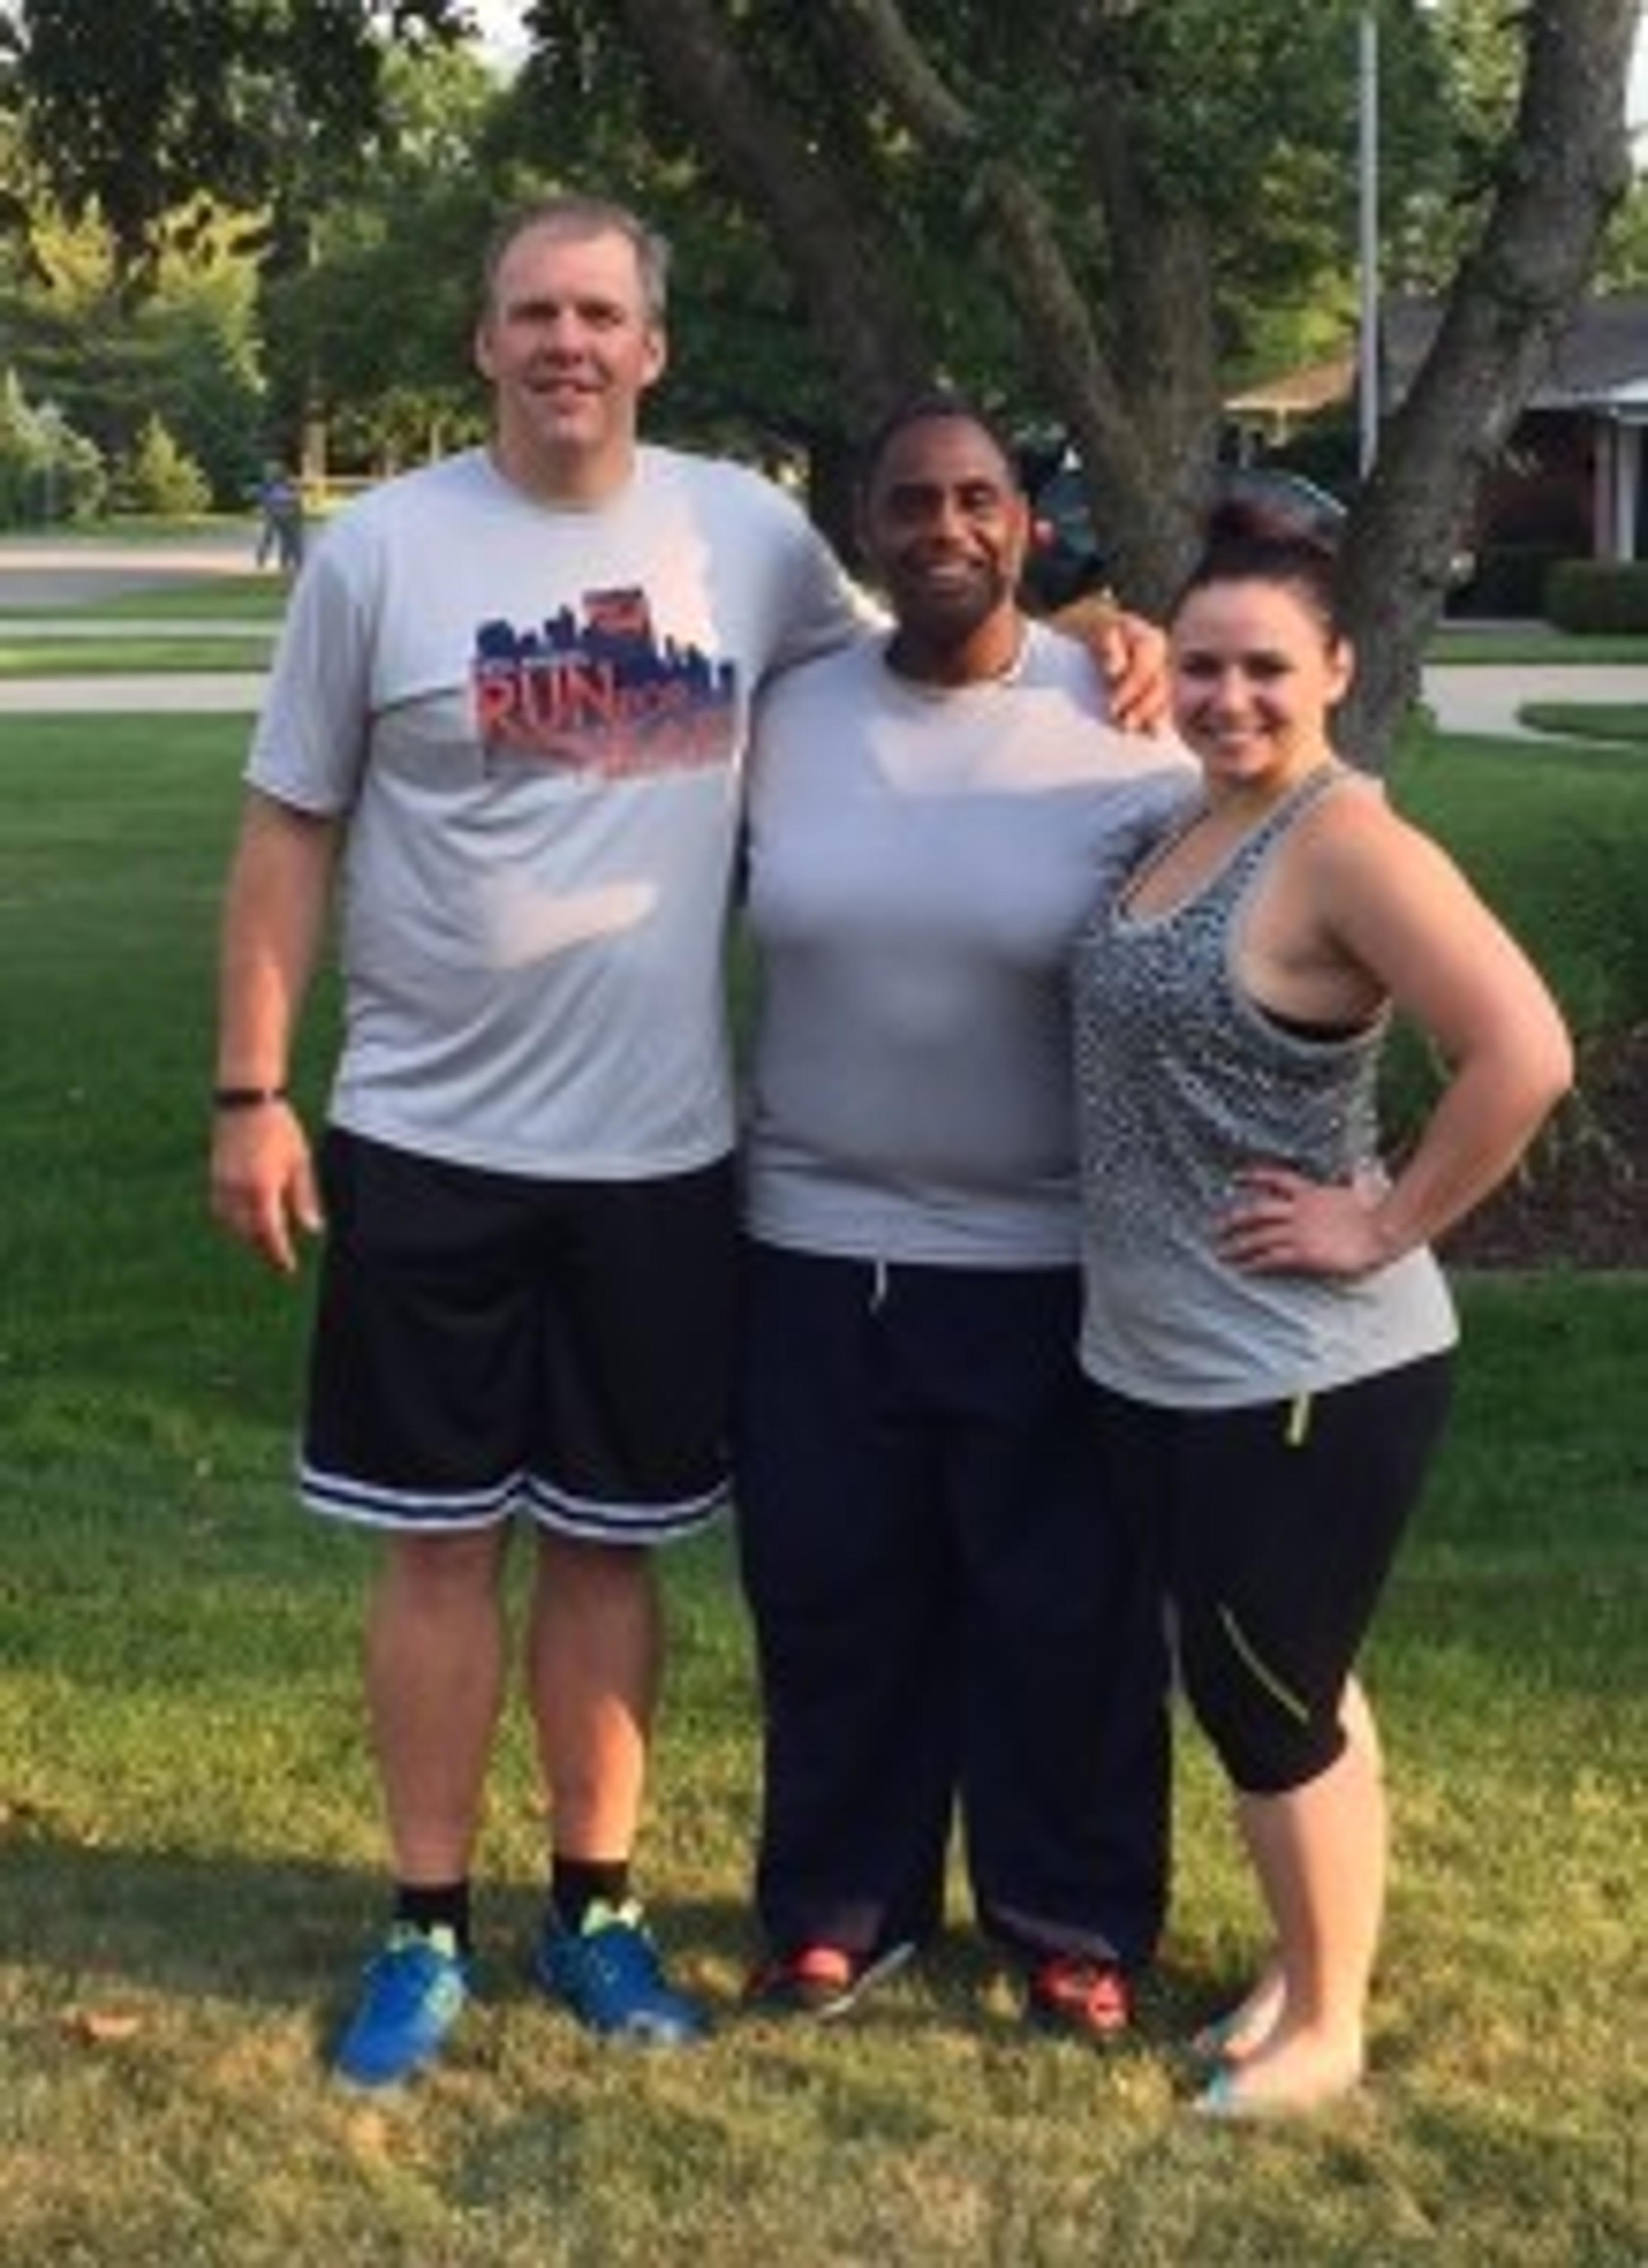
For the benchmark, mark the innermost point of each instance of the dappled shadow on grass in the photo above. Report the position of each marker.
(186, 1923)
(277, 1933)
(1491, 2143)
(83, 1925)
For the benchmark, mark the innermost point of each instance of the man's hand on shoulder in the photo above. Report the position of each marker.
(1130, 655)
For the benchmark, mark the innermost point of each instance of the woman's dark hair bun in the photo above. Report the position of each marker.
(1249, 541)
(1239, 522)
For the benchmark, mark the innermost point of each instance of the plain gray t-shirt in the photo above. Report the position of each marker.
(919, 861)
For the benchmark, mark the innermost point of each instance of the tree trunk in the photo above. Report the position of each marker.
(858, 310)
(1145, 424)
(1564, 170)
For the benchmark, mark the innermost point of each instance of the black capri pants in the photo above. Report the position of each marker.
(1274, 1526)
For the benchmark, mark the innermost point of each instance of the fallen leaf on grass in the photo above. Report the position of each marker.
(369, 2134)
(101, 2027)
(28, 1815)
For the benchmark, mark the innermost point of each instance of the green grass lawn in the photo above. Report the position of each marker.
(190, 1859)
(1556, 837)
(252, 596)
(131, 656)
(1590, 720)
(1534, 641)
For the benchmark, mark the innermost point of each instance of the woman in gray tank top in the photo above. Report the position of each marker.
(1265, 1325)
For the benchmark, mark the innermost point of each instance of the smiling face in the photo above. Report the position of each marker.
(570, 346)
(943, 528)
(1254, 673)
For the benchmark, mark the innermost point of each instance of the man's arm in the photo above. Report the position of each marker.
(274, 916)
(1131, 654)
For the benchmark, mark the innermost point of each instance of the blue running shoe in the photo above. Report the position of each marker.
(412, 1992)
(609, 1975)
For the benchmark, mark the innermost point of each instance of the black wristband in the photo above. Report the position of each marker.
(245, 1098)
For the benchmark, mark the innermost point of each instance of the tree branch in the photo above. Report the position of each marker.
(1565, 166)
(1133, 444)
(854, 301)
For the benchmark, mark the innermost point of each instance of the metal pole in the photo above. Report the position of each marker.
(1367, 209)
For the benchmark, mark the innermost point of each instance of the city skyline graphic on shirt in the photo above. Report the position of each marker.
(593, 691)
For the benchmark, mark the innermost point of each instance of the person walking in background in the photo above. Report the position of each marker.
(1267, 1332)
(946, 1610)
(280, 506)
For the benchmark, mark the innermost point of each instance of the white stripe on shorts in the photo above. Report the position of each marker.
(410, 1511)
(370, 1504)
(596, 1523)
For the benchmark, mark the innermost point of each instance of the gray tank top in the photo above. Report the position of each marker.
(1181, 1080)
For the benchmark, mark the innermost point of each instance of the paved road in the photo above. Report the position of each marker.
(75, 571)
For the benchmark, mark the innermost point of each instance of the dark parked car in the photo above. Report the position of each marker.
(1067, 559)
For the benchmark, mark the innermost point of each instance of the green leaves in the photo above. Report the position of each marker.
(138, 109)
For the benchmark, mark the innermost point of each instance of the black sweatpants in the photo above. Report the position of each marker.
(945, 1612)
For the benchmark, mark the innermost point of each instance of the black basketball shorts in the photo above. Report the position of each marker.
(487, 1343)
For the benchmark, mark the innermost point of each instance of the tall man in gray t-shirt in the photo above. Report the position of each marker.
(507, 718)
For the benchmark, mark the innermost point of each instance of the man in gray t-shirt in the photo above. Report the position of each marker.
(506, 729)
(952, 1621)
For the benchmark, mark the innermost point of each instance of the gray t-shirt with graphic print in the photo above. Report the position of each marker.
(533, 720)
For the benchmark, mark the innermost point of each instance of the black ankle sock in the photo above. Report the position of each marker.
(575, 1884)
(440, 1905)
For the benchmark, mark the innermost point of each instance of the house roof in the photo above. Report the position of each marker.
(1297, 392)
(1601, 363)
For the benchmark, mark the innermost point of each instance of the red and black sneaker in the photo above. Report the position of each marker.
(821, 1981)
(1072, 1993)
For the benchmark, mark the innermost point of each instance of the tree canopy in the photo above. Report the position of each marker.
(1101, 216)
(1133, 181)
(143, 110)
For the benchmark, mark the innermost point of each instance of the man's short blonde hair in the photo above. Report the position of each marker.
(567, 214)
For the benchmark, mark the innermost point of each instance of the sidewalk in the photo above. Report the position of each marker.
(183, 693)
(63, 571)
(1478, 699)
(160, 692)
(1485, 697)
(49, 629)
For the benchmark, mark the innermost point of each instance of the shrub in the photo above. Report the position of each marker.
(48, 470)
(1510, 580)
(160, 477)
(79, 485)
(1598, 594)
